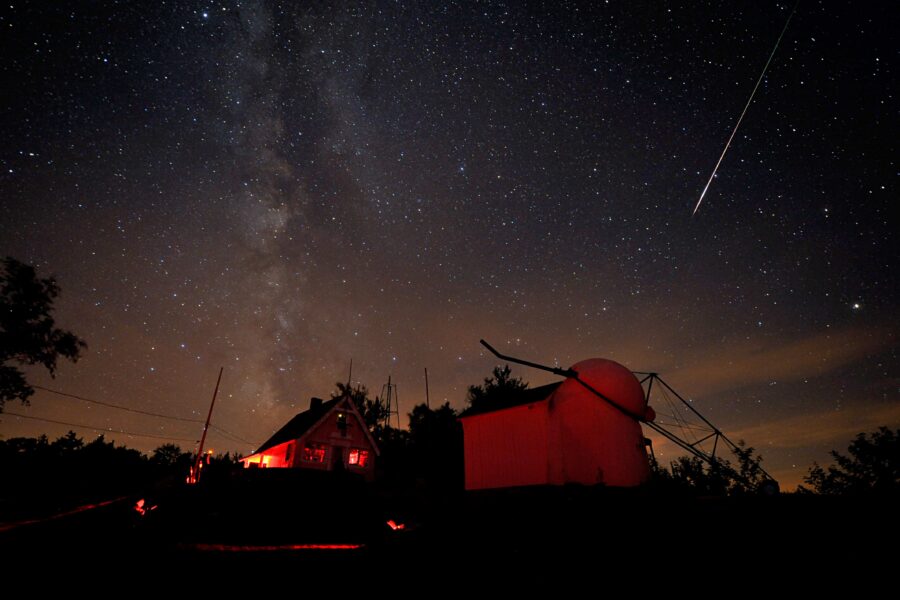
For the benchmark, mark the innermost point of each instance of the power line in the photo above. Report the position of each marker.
(231, 435)
(143, 412)
(147, 435)
(107, 404)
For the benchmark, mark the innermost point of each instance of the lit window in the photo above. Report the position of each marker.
(358, 457)
(314, 453)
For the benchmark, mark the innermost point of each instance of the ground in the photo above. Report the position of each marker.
(328, 533)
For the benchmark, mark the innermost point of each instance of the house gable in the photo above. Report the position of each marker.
(345, 405)
(327, 437)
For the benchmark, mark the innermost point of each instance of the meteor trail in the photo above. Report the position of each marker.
(741, 118)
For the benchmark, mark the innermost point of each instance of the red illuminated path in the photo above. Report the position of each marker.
(15, 524)
(565, 537)
(268, 548)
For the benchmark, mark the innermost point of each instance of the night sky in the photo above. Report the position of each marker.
(278, 189)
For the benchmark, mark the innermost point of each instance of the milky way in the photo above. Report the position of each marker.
(278, 189)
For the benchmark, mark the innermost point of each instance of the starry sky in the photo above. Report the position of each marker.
(279, 188)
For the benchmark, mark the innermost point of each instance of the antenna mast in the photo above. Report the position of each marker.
(391, 400)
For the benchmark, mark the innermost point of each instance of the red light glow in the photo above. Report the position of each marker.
(358, 457)
(314, 453)
(141, 507)
(273, 548)
(74, 511)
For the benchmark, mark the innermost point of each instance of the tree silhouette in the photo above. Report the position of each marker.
(69, 443)
(748, 476)
(872, 467)
(436, 444)
(425, 423)
(28, 332)
(692, 475)
(170, 456)
(499, 386)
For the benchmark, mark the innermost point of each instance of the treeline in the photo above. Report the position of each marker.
(43, 477)
(871, 467)
(40, 477)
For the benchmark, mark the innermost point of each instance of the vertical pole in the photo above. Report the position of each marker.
(390, 390)
(427, 402)
(206, 427)
(350, 374)
(397, 405)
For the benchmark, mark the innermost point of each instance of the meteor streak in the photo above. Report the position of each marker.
(744, 112)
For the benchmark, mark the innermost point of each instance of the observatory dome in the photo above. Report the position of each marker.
(615, 382)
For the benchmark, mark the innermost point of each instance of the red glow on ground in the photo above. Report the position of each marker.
(141, 507)
(271, 548)
(74, 511)
(395, 526)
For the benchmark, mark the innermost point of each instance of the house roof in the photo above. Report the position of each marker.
(299, 425)
(527, 396)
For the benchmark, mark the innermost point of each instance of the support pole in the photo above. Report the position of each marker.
(196, 473)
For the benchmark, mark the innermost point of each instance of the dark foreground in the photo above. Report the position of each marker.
(336, 533)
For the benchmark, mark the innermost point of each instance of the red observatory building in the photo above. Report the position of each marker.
(562, 433)
(330, 436)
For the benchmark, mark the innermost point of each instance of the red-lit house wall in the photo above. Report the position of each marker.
(506, 448)
(336, 443)
(274, 457)
(571, 437)
(592, 442)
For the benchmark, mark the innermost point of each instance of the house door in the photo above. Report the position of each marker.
(337, 460)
